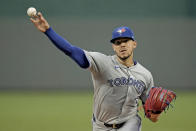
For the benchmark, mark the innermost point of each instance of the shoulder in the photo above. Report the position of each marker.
(96, 55)
(143, 71)
(98, 61)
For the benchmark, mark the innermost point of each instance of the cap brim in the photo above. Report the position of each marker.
(112, 41)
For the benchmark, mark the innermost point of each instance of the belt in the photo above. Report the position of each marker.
(115, 126)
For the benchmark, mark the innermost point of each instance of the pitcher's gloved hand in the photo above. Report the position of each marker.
(158, 100)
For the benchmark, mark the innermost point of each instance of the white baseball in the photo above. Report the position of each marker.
(31, 12)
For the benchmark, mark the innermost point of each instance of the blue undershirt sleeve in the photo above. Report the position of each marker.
(76, 53)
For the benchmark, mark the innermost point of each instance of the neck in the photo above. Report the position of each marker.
(127, 62)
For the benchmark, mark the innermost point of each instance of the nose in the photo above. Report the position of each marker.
(123, 44)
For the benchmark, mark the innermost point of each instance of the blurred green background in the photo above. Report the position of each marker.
(41, 89)
(72, 111)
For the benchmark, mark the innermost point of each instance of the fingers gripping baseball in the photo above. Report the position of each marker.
(40, 22)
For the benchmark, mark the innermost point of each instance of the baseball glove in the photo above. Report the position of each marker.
(158, 100)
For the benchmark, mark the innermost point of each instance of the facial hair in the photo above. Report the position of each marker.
(125, 58)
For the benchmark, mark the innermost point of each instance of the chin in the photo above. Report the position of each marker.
(124, 57)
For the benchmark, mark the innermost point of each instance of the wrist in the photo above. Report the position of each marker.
(47, 27)
(48, 30)
(154, 117)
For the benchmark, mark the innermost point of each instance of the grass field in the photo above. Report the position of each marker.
(62, 111)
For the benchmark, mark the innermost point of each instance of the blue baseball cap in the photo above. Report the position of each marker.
(122, 32)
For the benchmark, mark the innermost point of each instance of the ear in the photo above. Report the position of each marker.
(113, 46)
(134, 44)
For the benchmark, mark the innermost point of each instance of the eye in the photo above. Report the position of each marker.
(125, 41)
(117, 42)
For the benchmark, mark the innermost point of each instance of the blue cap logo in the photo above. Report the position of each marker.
(122, 32)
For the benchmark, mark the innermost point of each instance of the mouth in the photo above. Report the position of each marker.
(123, 50)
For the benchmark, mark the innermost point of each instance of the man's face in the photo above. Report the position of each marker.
(124, 47)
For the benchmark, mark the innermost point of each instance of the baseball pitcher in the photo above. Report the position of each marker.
(119, 81)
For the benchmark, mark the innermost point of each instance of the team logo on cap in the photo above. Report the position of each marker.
(120, 31)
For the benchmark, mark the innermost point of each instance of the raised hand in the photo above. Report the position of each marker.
(40, 22)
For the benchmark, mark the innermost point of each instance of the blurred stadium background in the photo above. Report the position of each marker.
(41, 89)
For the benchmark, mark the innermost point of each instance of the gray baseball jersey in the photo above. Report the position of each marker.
(117, 88)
